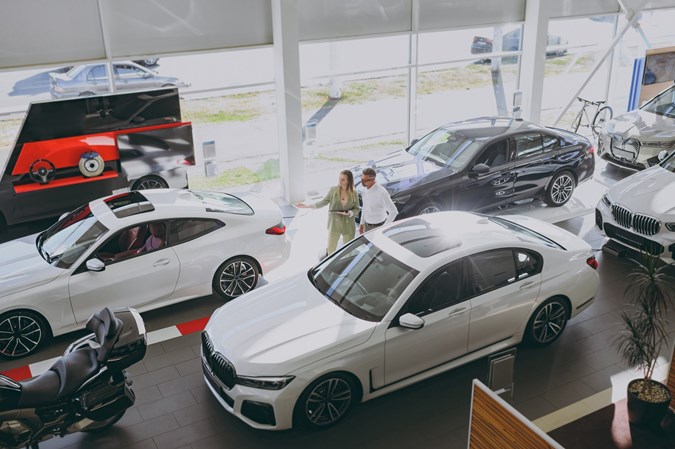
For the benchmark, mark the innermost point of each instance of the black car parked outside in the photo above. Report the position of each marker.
(483, 163)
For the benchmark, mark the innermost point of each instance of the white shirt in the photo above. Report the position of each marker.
(377, 205)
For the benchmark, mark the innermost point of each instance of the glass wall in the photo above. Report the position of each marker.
(354, 106)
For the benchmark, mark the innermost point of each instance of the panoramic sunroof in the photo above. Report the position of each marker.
(420, 238)
(129, 203)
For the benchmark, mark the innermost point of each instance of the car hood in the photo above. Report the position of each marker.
(400, 171)
(645, 126)
(283, 326)
(22, 267)
(651, 192)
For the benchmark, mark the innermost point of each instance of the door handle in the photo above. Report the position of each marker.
(527, 285)
(457, 312)
(161, 262)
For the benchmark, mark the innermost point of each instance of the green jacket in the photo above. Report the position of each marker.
(336, 222)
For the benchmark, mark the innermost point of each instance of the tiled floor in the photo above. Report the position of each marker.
(174, 408)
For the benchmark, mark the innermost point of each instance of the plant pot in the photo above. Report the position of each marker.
(647, 411)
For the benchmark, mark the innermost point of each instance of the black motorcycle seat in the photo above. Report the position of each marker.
(68, 374)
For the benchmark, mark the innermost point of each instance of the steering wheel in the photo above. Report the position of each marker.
(41, 171)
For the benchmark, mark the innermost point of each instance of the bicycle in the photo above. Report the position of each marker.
(602, 115)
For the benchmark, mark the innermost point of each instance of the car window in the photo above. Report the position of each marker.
(527, 264)
(127, 71)
(133, 241)
(444, 288)
(362, 279)
(445, 148)
(97, 73)
(184, 230)
(549, 142)
(490, 270)
(65, 241)
(495, 155)
(528, 145)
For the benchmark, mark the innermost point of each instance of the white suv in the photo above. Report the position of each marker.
(639, 211)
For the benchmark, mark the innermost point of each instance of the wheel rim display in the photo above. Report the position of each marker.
(328, 401)
(19, 335)
(562, 189)
(549, 322)
(237, 278)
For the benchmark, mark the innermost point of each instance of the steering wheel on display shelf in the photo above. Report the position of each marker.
(42, 171)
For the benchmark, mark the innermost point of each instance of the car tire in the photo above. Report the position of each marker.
(99, 426)
(147, 62)
(235, 277)
(22, 332)
(325, 401)
(427, 207)
(149, 182)
(561, 189)
(547, 322)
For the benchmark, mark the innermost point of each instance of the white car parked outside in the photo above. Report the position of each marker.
(395, 306)
(143, 249)
(639, 211)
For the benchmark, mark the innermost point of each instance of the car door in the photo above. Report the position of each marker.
(130, 278)
(505, 284)
(200, 251)
(96, 80)
(128, 77)
(484, 190)
(535, 163)
(441, 302)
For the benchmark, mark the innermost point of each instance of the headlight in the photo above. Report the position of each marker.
(265, 383)
(605, 199)
(634, 143)
(670, 226)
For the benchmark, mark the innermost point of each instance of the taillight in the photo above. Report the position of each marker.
(591, 262)
(279, 229)
(190, 160)
(591, 150)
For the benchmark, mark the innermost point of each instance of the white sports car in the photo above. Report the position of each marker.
(144, 249)
(639, 211)
(397, 305)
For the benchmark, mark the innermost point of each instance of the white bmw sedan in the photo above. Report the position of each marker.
(397, 305)
(144, 249)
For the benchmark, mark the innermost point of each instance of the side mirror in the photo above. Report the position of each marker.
(95, 265)
(480, 169)
(411, 321)
(662, 155)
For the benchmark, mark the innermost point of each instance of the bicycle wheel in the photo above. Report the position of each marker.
(577, 121)
(603, 115)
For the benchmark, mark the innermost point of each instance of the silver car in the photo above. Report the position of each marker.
(635, 139)
(92, 79)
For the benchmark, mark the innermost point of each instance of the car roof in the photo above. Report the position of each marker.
(421, 241)
(163, 203)
(482, 128)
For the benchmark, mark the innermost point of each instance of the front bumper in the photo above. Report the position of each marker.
(619, 154)
(261, 409)
(661, 244)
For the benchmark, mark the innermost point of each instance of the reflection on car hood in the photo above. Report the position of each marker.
(283, 326)
(644, 126)
(21, 267)
(400, 171)
(650, 192)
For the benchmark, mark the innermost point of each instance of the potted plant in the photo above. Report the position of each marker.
(645, 330)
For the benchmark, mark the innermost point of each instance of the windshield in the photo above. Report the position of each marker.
(445, 149)
(362, 279)
(663, 104)
(63, 243)
(669, 163)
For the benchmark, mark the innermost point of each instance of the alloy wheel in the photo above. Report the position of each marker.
(150, 183)
(549, 322)
(429, 209)
(562, 189)
(237, 278)
(20, 335)
(328, 401)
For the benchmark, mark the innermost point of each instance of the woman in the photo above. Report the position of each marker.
(343, 206)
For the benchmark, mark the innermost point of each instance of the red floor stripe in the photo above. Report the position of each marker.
(192, 326)
(18, 374)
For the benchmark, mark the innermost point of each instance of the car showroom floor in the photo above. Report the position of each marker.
(553, 385)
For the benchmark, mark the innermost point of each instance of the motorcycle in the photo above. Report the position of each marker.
(86, 390)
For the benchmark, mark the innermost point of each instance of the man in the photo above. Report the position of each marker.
(378, 208)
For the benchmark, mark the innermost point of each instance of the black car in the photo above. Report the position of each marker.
(483, 163)
(511, 42)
